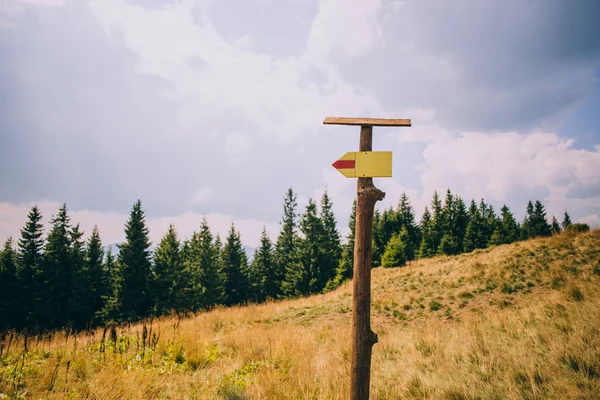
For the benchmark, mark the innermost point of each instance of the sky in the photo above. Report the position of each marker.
(213, 109)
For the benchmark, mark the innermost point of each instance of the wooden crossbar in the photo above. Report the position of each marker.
(366, 121)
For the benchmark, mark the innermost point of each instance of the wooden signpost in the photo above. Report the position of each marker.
(364, 165)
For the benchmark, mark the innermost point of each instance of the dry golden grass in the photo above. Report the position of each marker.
(511, 322)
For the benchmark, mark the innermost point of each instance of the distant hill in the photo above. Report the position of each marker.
(517, 321)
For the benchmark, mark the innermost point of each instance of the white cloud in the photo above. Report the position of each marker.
(226, 100)
(351, 27)
(477, 165)
(260, 87)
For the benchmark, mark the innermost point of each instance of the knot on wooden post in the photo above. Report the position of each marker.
(369, 191)
(373, 338)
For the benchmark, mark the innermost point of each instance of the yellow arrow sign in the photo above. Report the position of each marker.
(365, 164)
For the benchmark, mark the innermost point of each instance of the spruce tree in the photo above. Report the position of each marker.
(263, 268)
(286, 247)
(330, 243)
(167, 267)
(507, 229)
(387, 227)
(202, 269)
(378, 240)
(474, 235)
(509, 225)
(528, 230)
(555, 226)
(234, 269)
(81, 302)
(541, 227)
(97, 275)
(461, 221)
(489, 222)
(437, 229)
(394, 255)
(133, 296)
(447, 215)
(304, 276)
(406, 220)
(110, 303)
(449, 242)
(10, 288)
(566, 221)
(30, 249)
(427, 246)
(59, 292)
(346, 266)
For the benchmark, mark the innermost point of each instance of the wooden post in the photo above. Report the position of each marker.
(363, 338)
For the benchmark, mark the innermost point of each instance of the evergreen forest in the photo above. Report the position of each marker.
(55, 279)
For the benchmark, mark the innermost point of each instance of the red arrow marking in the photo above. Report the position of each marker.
(344, 164)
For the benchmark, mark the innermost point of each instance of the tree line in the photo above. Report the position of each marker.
(59, 280)
(453, 228)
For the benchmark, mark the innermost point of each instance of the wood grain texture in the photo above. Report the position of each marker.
(366, 121)
(363, 338)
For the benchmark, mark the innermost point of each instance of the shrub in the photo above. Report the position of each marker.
(434, 305)
(576, 228)
(576, 294)
(394, 255)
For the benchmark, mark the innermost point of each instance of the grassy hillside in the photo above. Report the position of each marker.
(511, 322)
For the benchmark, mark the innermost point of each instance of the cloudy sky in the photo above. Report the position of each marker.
(215, 107)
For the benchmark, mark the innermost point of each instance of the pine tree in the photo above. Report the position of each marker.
(263, 268)
(58, 293)
(30, 248)
(489, 222)
(447, 215)
(330, 244)
(96, 273)
(389, 227)
(541, 225)
(134, 268)
(110, 305)
(461, 221)
(510, 225)
(81, 302)
(427, 246)
(474, 235)
(406, 220)
(555, 226)
(286, 247)
(234, 269)
(436, 221)
(303, 276)
(394, 255)
(218, 243)
(528, 230)
(10, 288)
(202, 269)
(566, 221)
(346, 266)
(449, 242)
(166, 272)
(378, 241)
(507, 230)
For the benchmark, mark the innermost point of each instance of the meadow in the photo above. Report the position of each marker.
(518, 321)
